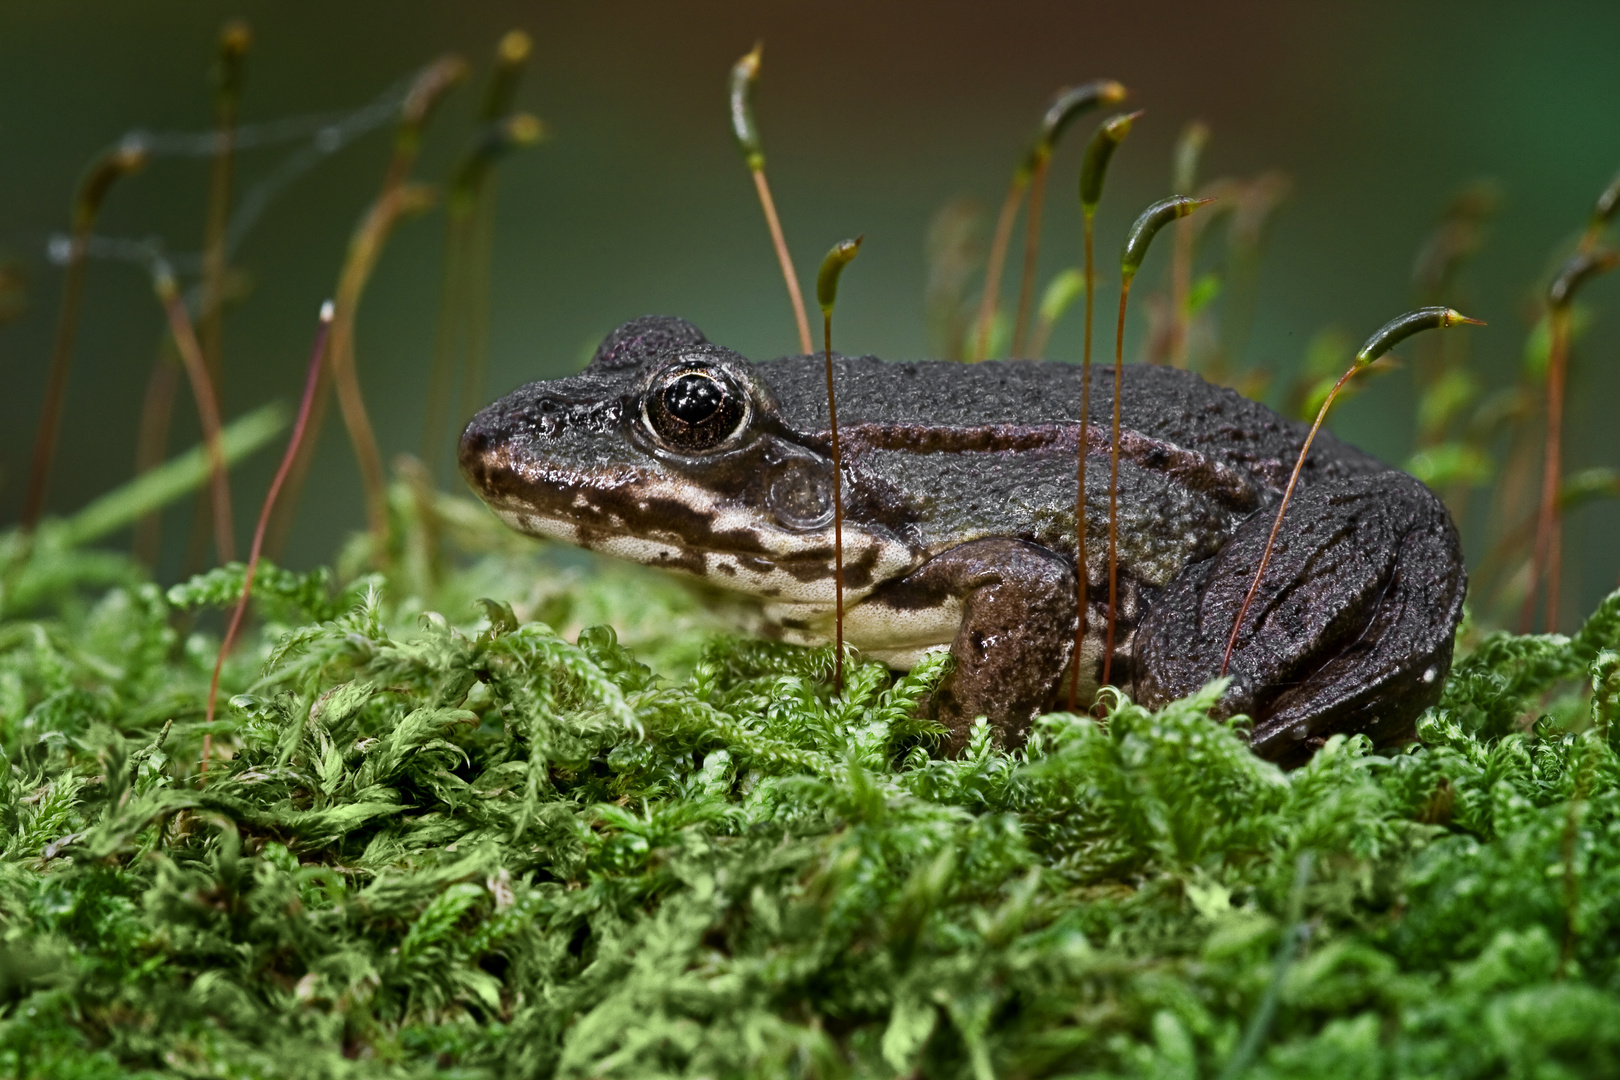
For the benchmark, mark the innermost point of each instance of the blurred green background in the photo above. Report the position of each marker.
(873, 116)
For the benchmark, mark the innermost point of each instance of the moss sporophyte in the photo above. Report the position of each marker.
(456, 805)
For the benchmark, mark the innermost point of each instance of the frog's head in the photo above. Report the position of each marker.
(670, 451)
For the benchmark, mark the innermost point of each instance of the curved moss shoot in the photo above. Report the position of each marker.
(1603, 211)
(1093, 172)
(1386, 338)
(1099, 153)
(1137, 241)
(1060, 112)
(832, 268)
(1059, 115)
(312, 381)
(1546, 560)
(744, 128)
(127, 157)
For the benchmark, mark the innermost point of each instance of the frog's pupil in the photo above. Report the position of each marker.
(693, 398)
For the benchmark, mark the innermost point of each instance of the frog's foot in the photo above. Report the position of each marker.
(1015, 637)
(1351, 629)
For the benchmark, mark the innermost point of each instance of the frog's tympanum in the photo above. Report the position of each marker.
(959, 525)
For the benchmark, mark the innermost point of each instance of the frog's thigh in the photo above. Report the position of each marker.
(1350, 631)
(1015, 637)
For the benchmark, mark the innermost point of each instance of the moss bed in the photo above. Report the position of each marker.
(445, 837)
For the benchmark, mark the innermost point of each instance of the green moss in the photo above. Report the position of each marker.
(490, 842)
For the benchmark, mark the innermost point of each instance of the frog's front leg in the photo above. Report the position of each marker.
(1350, 631)
(1015, 637)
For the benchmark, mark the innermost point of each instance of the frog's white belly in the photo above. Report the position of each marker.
(899, 637)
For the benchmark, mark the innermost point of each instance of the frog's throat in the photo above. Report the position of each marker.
(734, 549)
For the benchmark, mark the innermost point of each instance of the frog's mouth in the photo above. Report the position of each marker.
(642, 514)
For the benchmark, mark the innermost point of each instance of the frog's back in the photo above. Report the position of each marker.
(1173, 406)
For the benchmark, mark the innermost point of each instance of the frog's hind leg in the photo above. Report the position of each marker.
(1015, 638)
(1351, 629)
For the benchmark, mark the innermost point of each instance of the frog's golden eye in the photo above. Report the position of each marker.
(694, 407)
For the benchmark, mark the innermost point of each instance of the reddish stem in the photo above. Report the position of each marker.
(1547, 562)
(1282, 507)
(202, 388)
(998, 259)
(788, 274)
(1032, 251)
(1113, 484)
(1081, 584)
(311, 382)
(838, 518)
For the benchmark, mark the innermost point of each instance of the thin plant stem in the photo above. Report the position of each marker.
(838, 515)
(157, 409)
(779, 242)
(233, 45)
(1546, 562)
(1180, 287)
(999, 243)
(1384, 339)
(202, 388)
(481, 246)
(312, 382)
(1030, 175)
(832, 268)
(364, 251)
(1032, 250)
(1288, 492)
(92, 192)
(448, 336)
(744, 128)
(1081, 583)
(1113, 484)
(1548, 556)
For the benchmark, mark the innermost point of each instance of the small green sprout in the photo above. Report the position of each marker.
(832, 268)
(1603, 211)
(1099, 152)
(1093, 171)
(1386, 338)
(1030, 176)
(1137, 240)
(744, 74)
(1064, 108)
(1147, 226)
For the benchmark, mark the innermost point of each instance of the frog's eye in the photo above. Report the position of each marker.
(694, 407)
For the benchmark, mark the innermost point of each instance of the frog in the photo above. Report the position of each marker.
(959, 488)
